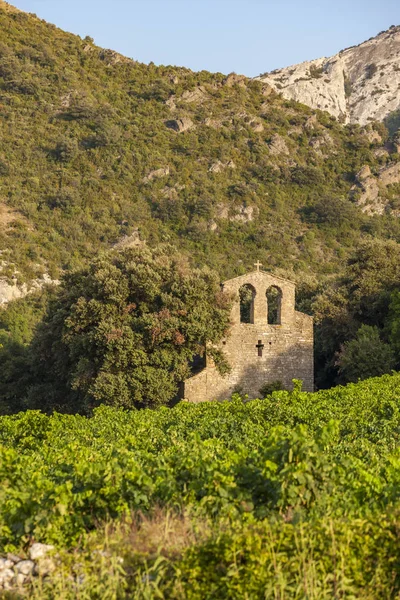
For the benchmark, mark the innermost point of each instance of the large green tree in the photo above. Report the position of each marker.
(124, 330)
(361, 296)
(365, 356)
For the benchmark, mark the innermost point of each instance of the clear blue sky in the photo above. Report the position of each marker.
(246, 36)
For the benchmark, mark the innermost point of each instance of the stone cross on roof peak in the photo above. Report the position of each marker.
(258, 265)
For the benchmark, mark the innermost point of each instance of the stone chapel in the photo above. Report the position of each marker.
(268, 341)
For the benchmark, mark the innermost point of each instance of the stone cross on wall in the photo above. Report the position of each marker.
(260, 347)
(258, 265)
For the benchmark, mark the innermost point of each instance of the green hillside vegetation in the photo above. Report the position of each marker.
(292, 496)
(89, 154)
(90, 157)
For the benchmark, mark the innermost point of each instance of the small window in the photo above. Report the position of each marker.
(274, 300)
(247, 294)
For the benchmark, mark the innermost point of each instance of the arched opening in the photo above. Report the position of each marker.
(274, 301)
(247, 294)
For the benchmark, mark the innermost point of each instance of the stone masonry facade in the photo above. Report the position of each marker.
(259, 352)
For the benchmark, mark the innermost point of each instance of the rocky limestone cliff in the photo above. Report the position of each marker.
(357, 85)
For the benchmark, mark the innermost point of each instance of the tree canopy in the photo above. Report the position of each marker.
(124, 330)
(365, 356)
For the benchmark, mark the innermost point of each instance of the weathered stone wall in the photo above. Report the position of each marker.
(287, 351)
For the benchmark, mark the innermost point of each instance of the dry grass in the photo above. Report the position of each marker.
(129, 559)
(7, 214)
(162, 532)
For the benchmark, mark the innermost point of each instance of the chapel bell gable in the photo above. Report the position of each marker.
(261, 299)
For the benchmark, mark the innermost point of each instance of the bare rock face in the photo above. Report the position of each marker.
(364, 173)
(257, 126)
(311, 123)
(389, 175)
(357, 85)
(129, 241)
(373, 136)
(368, 190)
(234, 79)
(219, 166)
(156, 174)
(277, 145)
(239, 214)
(180, 125)
(11, 290)
(112, 58)
(197, 95)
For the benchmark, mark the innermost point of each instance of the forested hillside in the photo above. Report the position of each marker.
(96, 147)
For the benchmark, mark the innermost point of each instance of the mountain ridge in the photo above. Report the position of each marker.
(97, 149)
(357, 85)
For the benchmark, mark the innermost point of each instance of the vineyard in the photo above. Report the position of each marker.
(293, 496)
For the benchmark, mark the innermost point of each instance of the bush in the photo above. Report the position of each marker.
(333, 212)
(365, 356)
(370, 70)
(66, 150)
(4, 169)
(268, 388)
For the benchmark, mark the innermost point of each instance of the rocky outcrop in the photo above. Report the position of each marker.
(277, 145)
(156, 174)
(219, 166)
(234, 79)
(369, 190)
(213, 123)
(197, 95)
(390, 174)
(180, 125)
(240, 214)
(245, 214)
(129, 241)
(256, 125)
(373, 136)
(112, 58)
(311, 124)
(11, 290)
(319, 141)
(366, 192)
(357, 85)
